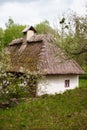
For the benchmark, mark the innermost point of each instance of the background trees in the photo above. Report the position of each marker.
(11, 32)
(71, 35)
(1, 37)
(74, 41)
(45, 28)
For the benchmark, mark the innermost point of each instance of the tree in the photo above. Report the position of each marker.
(63, 26)
(81, 34)
(1, 37)
(75, 41)
(12, 31)
(10, 23)
(45, 28)
(15, 84)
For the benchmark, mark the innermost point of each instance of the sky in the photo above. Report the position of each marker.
(32, 12)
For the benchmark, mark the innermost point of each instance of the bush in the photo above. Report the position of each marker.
(17, 85)
(13, 85)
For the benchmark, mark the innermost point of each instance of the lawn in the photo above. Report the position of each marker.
(66, 111)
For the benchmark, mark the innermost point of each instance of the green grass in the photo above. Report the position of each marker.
(83, 81)
(66, 111)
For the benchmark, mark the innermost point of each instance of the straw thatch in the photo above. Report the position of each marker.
(40, 54)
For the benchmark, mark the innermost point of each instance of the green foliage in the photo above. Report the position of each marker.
(83, 80)
(45, 28)
(1, 37)
(74, 39)
(15, 84)
(10, 23)
(12, 31)
(66, 111)
(9, 83)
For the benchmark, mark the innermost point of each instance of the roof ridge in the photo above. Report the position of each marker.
(16, 41)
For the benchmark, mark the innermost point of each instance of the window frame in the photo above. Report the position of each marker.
(67, 83)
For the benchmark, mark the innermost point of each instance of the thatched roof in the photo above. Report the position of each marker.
(41, 54)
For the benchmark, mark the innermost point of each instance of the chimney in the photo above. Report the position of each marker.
(28, 32)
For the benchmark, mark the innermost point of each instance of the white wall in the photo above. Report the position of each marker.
(30, 33)
(56, 84)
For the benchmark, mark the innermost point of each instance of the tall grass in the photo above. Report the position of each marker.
(66, 111)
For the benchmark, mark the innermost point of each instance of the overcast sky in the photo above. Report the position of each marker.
(31, 12)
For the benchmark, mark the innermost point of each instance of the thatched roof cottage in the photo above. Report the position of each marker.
(38, 53)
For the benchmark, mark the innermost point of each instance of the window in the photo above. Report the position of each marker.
(67, 83)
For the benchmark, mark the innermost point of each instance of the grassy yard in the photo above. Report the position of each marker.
(60, 112)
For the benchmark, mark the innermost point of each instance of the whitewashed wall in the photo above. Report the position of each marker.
(30, 33)
(56, 84)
